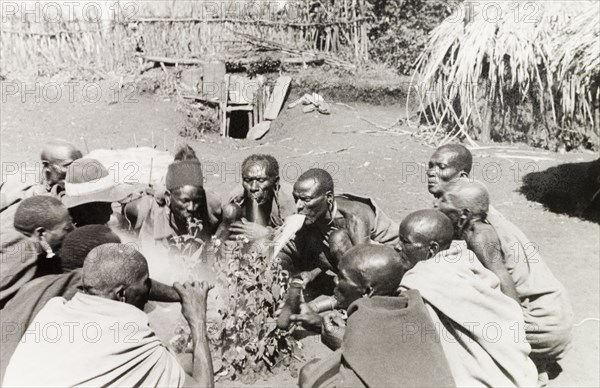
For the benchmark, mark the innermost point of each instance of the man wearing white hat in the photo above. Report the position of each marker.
(90, 191)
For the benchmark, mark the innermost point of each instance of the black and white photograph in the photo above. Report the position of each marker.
(299, 193)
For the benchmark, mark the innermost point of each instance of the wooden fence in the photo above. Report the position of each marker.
(44, 48)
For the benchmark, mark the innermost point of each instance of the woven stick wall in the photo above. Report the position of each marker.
(178, 29)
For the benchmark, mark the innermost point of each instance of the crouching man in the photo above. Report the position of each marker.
(101, 335)
(389, 339)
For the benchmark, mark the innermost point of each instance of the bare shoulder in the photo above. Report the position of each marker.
(484, 233)
(355, 210)
(236, 195)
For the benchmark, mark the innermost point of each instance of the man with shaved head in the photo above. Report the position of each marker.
(466, 204)
(447, 164)
(20, 311)
(464, 299)
(102, 337)
(376, 349)
(523, 274)
(333, 224)
(423, 234)
(29, 244)
(55, 157)
(531, 277)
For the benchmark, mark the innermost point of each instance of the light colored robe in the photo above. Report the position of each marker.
(546, 306)
(481, 329)
(91, 341)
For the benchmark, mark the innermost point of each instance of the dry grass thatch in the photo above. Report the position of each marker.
(506, 54)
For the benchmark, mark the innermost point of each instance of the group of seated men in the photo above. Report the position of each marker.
(451, 296)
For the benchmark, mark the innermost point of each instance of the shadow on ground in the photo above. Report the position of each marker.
(572, 189)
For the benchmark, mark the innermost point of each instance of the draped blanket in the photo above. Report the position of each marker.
(481, 329)
(389, 342)
(545, 301)
(91, 341)
(20, 311)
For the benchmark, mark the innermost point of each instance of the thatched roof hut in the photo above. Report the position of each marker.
(486, 59)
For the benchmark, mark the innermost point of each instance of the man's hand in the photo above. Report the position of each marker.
(307, 318)
(333, 329)
(251, 230)
(193, 306)
(193, 300)
(309, 276)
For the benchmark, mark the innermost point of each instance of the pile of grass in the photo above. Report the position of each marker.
(479, 75)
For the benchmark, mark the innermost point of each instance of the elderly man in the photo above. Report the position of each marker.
(448, 163)
(186, 211)
(333, 224)
(385, 341)
(40, 224)
(56, 158)
(262, 201)
(20, 311)
(481, 329)
(523, 275)
(121, 350)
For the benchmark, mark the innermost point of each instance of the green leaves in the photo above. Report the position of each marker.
(256, 286)
(245, 341)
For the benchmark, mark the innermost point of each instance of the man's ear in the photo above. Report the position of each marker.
(119, 293)
(167, 198)
(329, 196)
(465, 216)
(38, 233)
(434, 248)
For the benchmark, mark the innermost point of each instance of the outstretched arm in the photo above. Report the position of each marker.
(160, 292)
(193, 307)
(485, 244)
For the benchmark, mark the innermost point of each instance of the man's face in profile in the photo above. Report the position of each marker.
(55, 161)
(412, 247)
(441, 171)
(309, 201)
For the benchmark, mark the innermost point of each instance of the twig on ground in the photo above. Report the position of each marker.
(374, 124)
(345, 105)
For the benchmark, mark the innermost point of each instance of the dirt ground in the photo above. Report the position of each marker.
(388, 167)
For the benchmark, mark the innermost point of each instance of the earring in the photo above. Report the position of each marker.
(49, 252)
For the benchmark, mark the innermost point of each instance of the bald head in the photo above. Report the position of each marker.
(43, 217)
(118, 272)
(58, 150)
(448, 163)
(56, 157)
(423, 234)
(40, 211)
(462, 158)
(368, 269)
(465, 195)
(320, 177)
